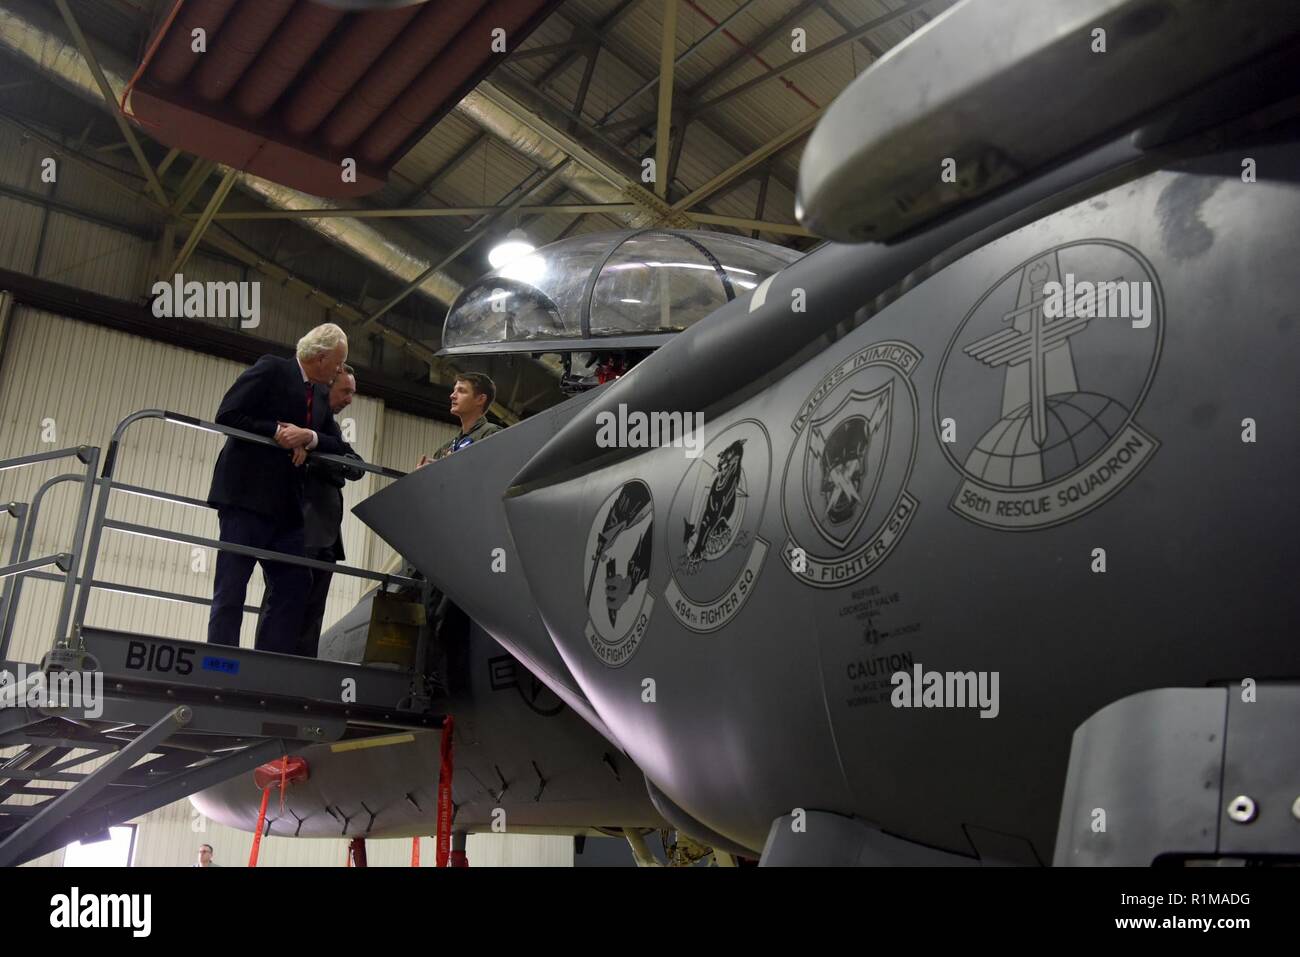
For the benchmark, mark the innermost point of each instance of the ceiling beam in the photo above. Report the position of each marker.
(784, 229)
(667, 47)
(584, 86)
(127, 133)
(473, 237)
(446, 169)
(608, 23)
(525, 105)
(551, 48)
(768, 149)
(172, 156)
(761, 205)
(802, 59)
(204, 221)
(686, 55)
(200, 169)
(535, 87)
(737, 59)
(239, 252)
(874, 50)
(422, 212)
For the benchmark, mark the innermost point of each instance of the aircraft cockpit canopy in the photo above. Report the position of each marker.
(607, 291)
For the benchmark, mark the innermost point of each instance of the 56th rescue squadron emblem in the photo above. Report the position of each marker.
(714, 552)
(844, 494)
(1048, 402)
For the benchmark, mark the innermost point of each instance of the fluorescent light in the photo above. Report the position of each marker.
(528, 268)
(514, 246)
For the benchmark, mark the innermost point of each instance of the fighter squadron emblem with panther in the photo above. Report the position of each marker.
(718, 507)
(713, 531)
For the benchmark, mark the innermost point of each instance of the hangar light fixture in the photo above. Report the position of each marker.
(514, 246)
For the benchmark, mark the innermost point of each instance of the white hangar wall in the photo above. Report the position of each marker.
(72, 382)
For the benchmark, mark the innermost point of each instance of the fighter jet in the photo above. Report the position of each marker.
(532, 754)
(1007, 586)
(1002, 569)
(525, 762)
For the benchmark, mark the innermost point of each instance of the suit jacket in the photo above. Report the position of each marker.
(322, 510)
(260, 478)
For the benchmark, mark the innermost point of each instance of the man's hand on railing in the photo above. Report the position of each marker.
(292, 437)
(299, 455)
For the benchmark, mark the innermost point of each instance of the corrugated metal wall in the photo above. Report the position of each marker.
(170, 837)
(65, 383)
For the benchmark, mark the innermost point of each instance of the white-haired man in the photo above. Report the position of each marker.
(258, 490)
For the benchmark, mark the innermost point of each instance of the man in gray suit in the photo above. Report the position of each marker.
(322, 514)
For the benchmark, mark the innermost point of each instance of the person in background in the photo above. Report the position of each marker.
(205, 857)
(471, 397)
(258, 490)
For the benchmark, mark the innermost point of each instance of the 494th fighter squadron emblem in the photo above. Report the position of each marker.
(714, 552)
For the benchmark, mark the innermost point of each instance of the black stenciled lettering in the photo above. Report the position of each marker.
(135, 656)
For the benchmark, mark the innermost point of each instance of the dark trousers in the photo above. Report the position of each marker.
(286, 585)
(314, 609)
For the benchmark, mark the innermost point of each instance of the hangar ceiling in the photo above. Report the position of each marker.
(551, 138)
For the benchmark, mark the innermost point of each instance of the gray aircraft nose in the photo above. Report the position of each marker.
(447, 520)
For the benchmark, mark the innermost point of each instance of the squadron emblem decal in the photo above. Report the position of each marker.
(844, 494)
(1044, 398)
(714, 552)
(617, 572)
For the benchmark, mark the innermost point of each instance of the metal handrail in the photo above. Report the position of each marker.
(139, 591)
(107, 486)
(68, 561)
(20, 512)
(62, 560)
(22, 550)
(79, 451)
(250, 551)
(194, 422)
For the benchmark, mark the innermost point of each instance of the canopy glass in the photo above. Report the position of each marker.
(599, 289)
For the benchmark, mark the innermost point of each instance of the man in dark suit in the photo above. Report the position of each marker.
(258, 491)
(322, 515)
